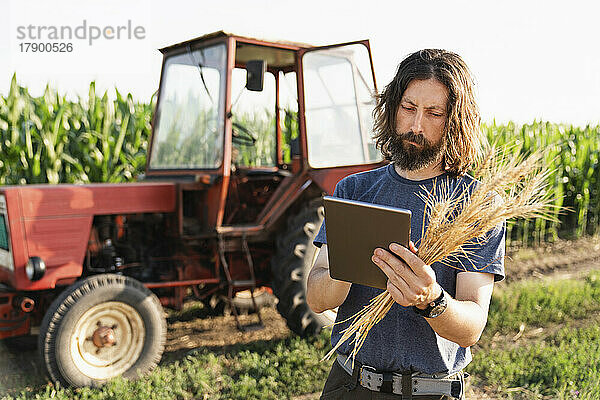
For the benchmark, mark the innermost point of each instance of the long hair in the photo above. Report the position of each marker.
(462, 131)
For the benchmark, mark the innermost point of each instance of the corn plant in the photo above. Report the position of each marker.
(49, 139)
(289, 133)
(262, 153)
(572, 153)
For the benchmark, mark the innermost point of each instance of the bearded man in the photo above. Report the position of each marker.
(427, 125)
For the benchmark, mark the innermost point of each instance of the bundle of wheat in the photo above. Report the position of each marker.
(510, 186)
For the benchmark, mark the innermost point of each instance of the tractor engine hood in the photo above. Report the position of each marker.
(53, 222)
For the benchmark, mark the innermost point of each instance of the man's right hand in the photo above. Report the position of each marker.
(323, 292)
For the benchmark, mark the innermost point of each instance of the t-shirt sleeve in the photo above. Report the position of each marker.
(486, 254)
(321, 237)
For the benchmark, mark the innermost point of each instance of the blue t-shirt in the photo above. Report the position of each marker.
(404, 340)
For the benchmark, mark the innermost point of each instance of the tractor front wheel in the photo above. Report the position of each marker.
(290, 268)
(102, 327)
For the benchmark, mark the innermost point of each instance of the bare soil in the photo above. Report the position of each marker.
(561, 260)
(193, 328)
(219, 333)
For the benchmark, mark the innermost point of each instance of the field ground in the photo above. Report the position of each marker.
(193, 330)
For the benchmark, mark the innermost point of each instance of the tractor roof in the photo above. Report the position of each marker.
(276, 43)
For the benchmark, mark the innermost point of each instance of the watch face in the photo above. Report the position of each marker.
(437, 310)
(438, 306)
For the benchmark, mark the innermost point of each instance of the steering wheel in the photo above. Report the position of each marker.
(241, 135)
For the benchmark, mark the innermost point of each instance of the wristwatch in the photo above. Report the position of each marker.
(435, 308)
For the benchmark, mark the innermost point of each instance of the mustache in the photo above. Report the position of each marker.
(413, 137)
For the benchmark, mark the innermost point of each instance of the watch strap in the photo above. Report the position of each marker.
(434, 308)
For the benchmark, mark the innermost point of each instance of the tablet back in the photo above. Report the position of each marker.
(354, 230)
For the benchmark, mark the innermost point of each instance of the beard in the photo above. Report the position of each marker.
(410, 157)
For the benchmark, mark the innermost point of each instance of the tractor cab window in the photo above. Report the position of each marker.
(339, 101)
(253, 122)
(190, 112)
(288, 116)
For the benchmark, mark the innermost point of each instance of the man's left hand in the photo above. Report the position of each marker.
(411, 282)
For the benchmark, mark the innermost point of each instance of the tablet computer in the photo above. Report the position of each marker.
(354, 230)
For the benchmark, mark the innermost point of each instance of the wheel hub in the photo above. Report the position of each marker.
(104, 336)
(107, 340)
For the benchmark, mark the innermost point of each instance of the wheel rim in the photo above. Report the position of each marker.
(120, 352)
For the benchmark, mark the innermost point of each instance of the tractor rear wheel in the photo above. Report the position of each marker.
(290, 268)
(102, 327)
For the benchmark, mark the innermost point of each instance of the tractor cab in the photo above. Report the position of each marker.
(247, 136)
(243, 123)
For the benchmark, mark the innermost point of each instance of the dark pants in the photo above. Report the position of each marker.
(340, 385)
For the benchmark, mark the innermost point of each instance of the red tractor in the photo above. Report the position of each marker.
(247, 137)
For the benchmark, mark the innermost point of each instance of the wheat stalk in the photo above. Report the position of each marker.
(511, 186)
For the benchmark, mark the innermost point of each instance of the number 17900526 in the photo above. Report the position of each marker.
(27, 47)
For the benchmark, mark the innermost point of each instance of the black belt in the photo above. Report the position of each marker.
(407, 384)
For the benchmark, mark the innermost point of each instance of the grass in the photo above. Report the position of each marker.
(261, 370)
(540, 303)
(563, 363)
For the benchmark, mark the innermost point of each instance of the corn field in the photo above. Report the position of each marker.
(48, 139)
(573, 155)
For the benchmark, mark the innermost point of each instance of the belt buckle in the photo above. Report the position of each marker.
(410, 384)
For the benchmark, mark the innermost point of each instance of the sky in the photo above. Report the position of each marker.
(531, 59)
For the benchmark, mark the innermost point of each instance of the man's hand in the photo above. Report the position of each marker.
(411, 282)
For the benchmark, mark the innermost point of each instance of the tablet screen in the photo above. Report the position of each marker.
(354, 230)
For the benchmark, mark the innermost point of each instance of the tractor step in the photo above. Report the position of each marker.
(243, 283)
(232, 283)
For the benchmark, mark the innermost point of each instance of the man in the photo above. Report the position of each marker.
(427, 124)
